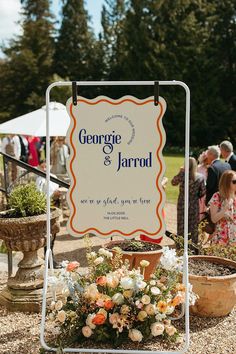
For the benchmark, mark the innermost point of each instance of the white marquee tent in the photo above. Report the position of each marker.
(34, 123)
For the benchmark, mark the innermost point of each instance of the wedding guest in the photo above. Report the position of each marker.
(223, 210)
(11, 146)
(215, 170)
(196, 190)
(202, 168)
(24, 148)
(33, 159)
(59, 155)
(227, 152)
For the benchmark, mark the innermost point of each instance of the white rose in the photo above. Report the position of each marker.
(145, 299)
(58, 305)
(157, 329)
(118, 298)
(152, 282)
(98, 260)
(135, 335)
(170, 330)
(141, 284)
(101, 251)
(127, 283)
(87, 332)
(89, 320)
(61, 316)
(155, 290)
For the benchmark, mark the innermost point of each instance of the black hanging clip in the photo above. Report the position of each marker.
(156, 93)
(74, 93)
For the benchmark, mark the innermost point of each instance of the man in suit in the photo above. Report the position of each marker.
(227, 153)
(215, 170)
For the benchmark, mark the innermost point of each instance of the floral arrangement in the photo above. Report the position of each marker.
(113, 304)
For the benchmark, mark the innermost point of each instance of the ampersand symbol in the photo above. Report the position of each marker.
(107, 161)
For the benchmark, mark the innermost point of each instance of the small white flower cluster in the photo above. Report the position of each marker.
(169, 260)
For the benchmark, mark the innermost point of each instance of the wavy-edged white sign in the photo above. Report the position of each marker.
(116, 167)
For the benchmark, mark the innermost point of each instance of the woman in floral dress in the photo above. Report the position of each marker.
(223, 210)
(197, 190)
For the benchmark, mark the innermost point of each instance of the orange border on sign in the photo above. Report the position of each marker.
(74, 178)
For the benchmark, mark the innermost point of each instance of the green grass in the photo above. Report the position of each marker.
(173, 164)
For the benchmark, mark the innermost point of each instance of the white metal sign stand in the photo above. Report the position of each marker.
(48, 256)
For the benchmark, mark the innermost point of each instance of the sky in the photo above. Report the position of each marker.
(10, 14)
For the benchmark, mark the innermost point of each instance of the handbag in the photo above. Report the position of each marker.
(208, 225)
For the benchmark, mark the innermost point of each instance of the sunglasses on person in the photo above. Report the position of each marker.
(233, 181)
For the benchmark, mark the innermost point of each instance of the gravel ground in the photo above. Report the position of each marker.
(19, 332)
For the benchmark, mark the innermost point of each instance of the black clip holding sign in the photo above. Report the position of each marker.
(156, 93)
(74, 93)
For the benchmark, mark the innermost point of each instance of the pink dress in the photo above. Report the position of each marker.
(33, 159)
(225, 233)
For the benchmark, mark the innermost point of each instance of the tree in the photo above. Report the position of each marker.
(27, 68)
(75, 43)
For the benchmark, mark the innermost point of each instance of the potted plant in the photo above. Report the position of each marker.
(214, 281)
(112, 304)
(135, 251)
(23, 228)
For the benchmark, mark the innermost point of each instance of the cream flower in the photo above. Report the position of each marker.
(91, 291)
(142, 315)
(144, 263)
(118, 298)
(114, 317)
(61, 316)
(52, 305)
(112, 280)
(145, 299)
(51, 317)
(89, 320)
(150, 309)
(170, 330)
(141, 284)
(124, 309)
(128, 293)
(87, 332)
(127, 283)
(135, 335)
(98, 260)
(155, 290)
(58, 305)
(157, 329)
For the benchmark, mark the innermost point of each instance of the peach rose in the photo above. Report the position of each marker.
(101, 281)
(99, 319)
(108, 304)
(72, 266)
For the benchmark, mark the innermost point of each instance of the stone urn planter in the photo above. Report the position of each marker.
(134, 257)
(28, 235)
(217, 294)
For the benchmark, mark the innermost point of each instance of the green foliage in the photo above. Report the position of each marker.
(220, 251)
(27, 200)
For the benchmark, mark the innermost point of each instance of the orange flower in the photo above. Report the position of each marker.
(176, 301)
(99, 319)
(180, 287)
(162, 306)
(101, 280)
(72, 266)
(108, 304)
